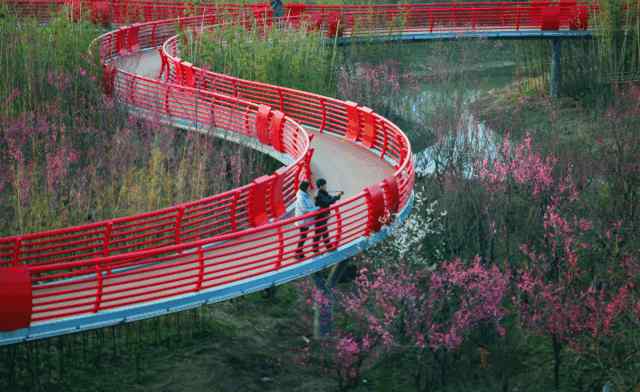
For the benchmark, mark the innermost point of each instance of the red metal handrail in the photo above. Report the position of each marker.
(72, 288)
(499, 15)
(151, 229)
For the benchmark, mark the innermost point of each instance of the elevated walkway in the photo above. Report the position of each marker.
(240, 241)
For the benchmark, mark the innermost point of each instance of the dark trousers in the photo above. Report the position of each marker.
(303, 237)
(321, 233)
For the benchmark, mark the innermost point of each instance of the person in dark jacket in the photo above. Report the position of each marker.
(323, 200)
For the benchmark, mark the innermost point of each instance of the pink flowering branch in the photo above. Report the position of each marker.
(425, 312)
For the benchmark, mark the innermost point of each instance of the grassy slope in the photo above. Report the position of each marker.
(247, 344)
(518, 110)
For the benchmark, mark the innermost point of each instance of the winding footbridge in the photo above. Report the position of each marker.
(227, 245)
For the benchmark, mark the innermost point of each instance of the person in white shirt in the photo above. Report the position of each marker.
(304, 204)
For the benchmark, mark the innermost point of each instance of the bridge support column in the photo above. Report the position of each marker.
(556, 73)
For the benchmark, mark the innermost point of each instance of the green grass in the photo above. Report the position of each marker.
(246, 344)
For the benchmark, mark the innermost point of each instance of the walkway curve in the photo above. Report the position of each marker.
(227, 245)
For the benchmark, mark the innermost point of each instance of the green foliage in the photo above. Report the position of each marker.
(617, 49)
(591, 69)
(68, 154)
(286, 57)
(31, 55)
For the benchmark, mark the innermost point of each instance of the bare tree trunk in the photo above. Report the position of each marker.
(323, 313)
(443, 369)
(556, 362)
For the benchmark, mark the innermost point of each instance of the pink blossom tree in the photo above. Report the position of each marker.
(428, 313)
(569, 287)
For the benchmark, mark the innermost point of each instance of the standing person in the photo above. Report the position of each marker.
(278, 9)
(304, 205)
(323, 200)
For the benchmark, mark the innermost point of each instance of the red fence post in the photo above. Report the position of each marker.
(338, 216)
(234, 83)
(281, 97)
(99, 288)
(132, 90)
(376, 208)
(277, 202)
(277, 125)
(262, 124)
(334, 25)
(178, 224)
(368, 127)
(353, 121)
(307, 166)
(247, 116)
(188, 76)
(234, 210)
(121, 41)
(280, 248)
(133, 34)
(106, 241)
(257, 206)
(16, 253)
(15, 298)
(179, 77)
(324, 115)
(392, 194)
(154, 30)
(164, 64)
(200, 269)
(385, 140)
(550, 17)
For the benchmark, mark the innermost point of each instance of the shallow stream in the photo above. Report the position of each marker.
(434, 107)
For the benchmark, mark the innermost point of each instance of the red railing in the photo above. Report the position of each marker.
(227, 212)
(222, 213)
(71, 288)
(225, 238)
(445, 16)
(437, 17)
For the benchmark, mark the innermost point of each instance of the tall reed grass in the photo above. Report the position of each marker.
(290, 57)
(69, 155)
(592, 69)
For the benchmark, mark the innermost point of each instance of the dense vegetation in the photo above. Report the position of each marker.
(519, 269)
(263, 53)
(593, 69)
(543, 214)
(69, 155)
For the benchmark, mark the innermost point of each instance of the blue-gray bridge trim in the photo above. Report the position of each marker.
(497, 34)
